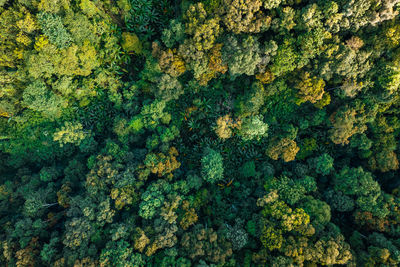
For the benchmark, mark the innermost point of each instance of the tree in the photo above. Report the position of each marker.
(385, 160)
(284, 148)
(225, 126)
(253, 128)
(242, 55)
(359, 184)
(271, 238)
(286, 20)
(283, 219)
(123, 196)
(38, 97)
(161, 164)
(251, 102)
(49, 250)
(345, 124)
(237, 235)
(329, 249)
(319, 211)
(359, 14)
(270, 4)
(131, 43)
(310, 89)
(17, 25)
(175, 33)
(70, 133)
(244, 16)
(307, 147)
(203, 31)
(285, 59)
(289, 190)
(322, 164)
(190, 217)
(248, 169)
(151, 200)
(205, 243)
(169, 88)
(35, 203)
(52, 26)
(171, 63)
(120, 254)
(48, 174)
(54, 6)
(78, 232)
(150, 115)
(212, 168)
(25, 229)
(339, 201)
(350, 88)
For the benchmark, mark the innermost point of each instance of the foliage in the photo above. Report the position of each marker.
(131, 43)
(285, 149)
(225, 125)
(199, 133)
(310, 89)
(212, 167)
(174, 34)
(244, 16)
(38, 97)
(322, 165)
(253, 128)
(54, 29)
(69, 133)
(242, 56)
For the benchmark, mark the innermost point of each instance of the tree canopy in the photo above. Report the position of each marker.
(204, 133)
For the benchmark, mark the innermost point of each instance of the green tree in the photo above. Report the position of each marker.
(151, 200)
(322, 164)
(253, 128)
(244, 16)
(38, 97)
(120, 254)
(289, 190)
(319, 211)
(212, 167)
(251, 102)
(49, 250)
(169, 88)
(285, 59)
(53, 27)
(70, 133)
(360, 185)
(242, 55)
(77, 233)
(35, 203)
(175, 33)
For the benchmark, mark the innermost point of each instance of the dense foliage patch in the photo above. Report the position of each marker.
(199, 133)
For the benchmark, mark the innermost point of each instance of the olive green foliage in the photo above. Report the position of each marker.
(242, 56)
(69, 133)
(218, 133)
(131, 43)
